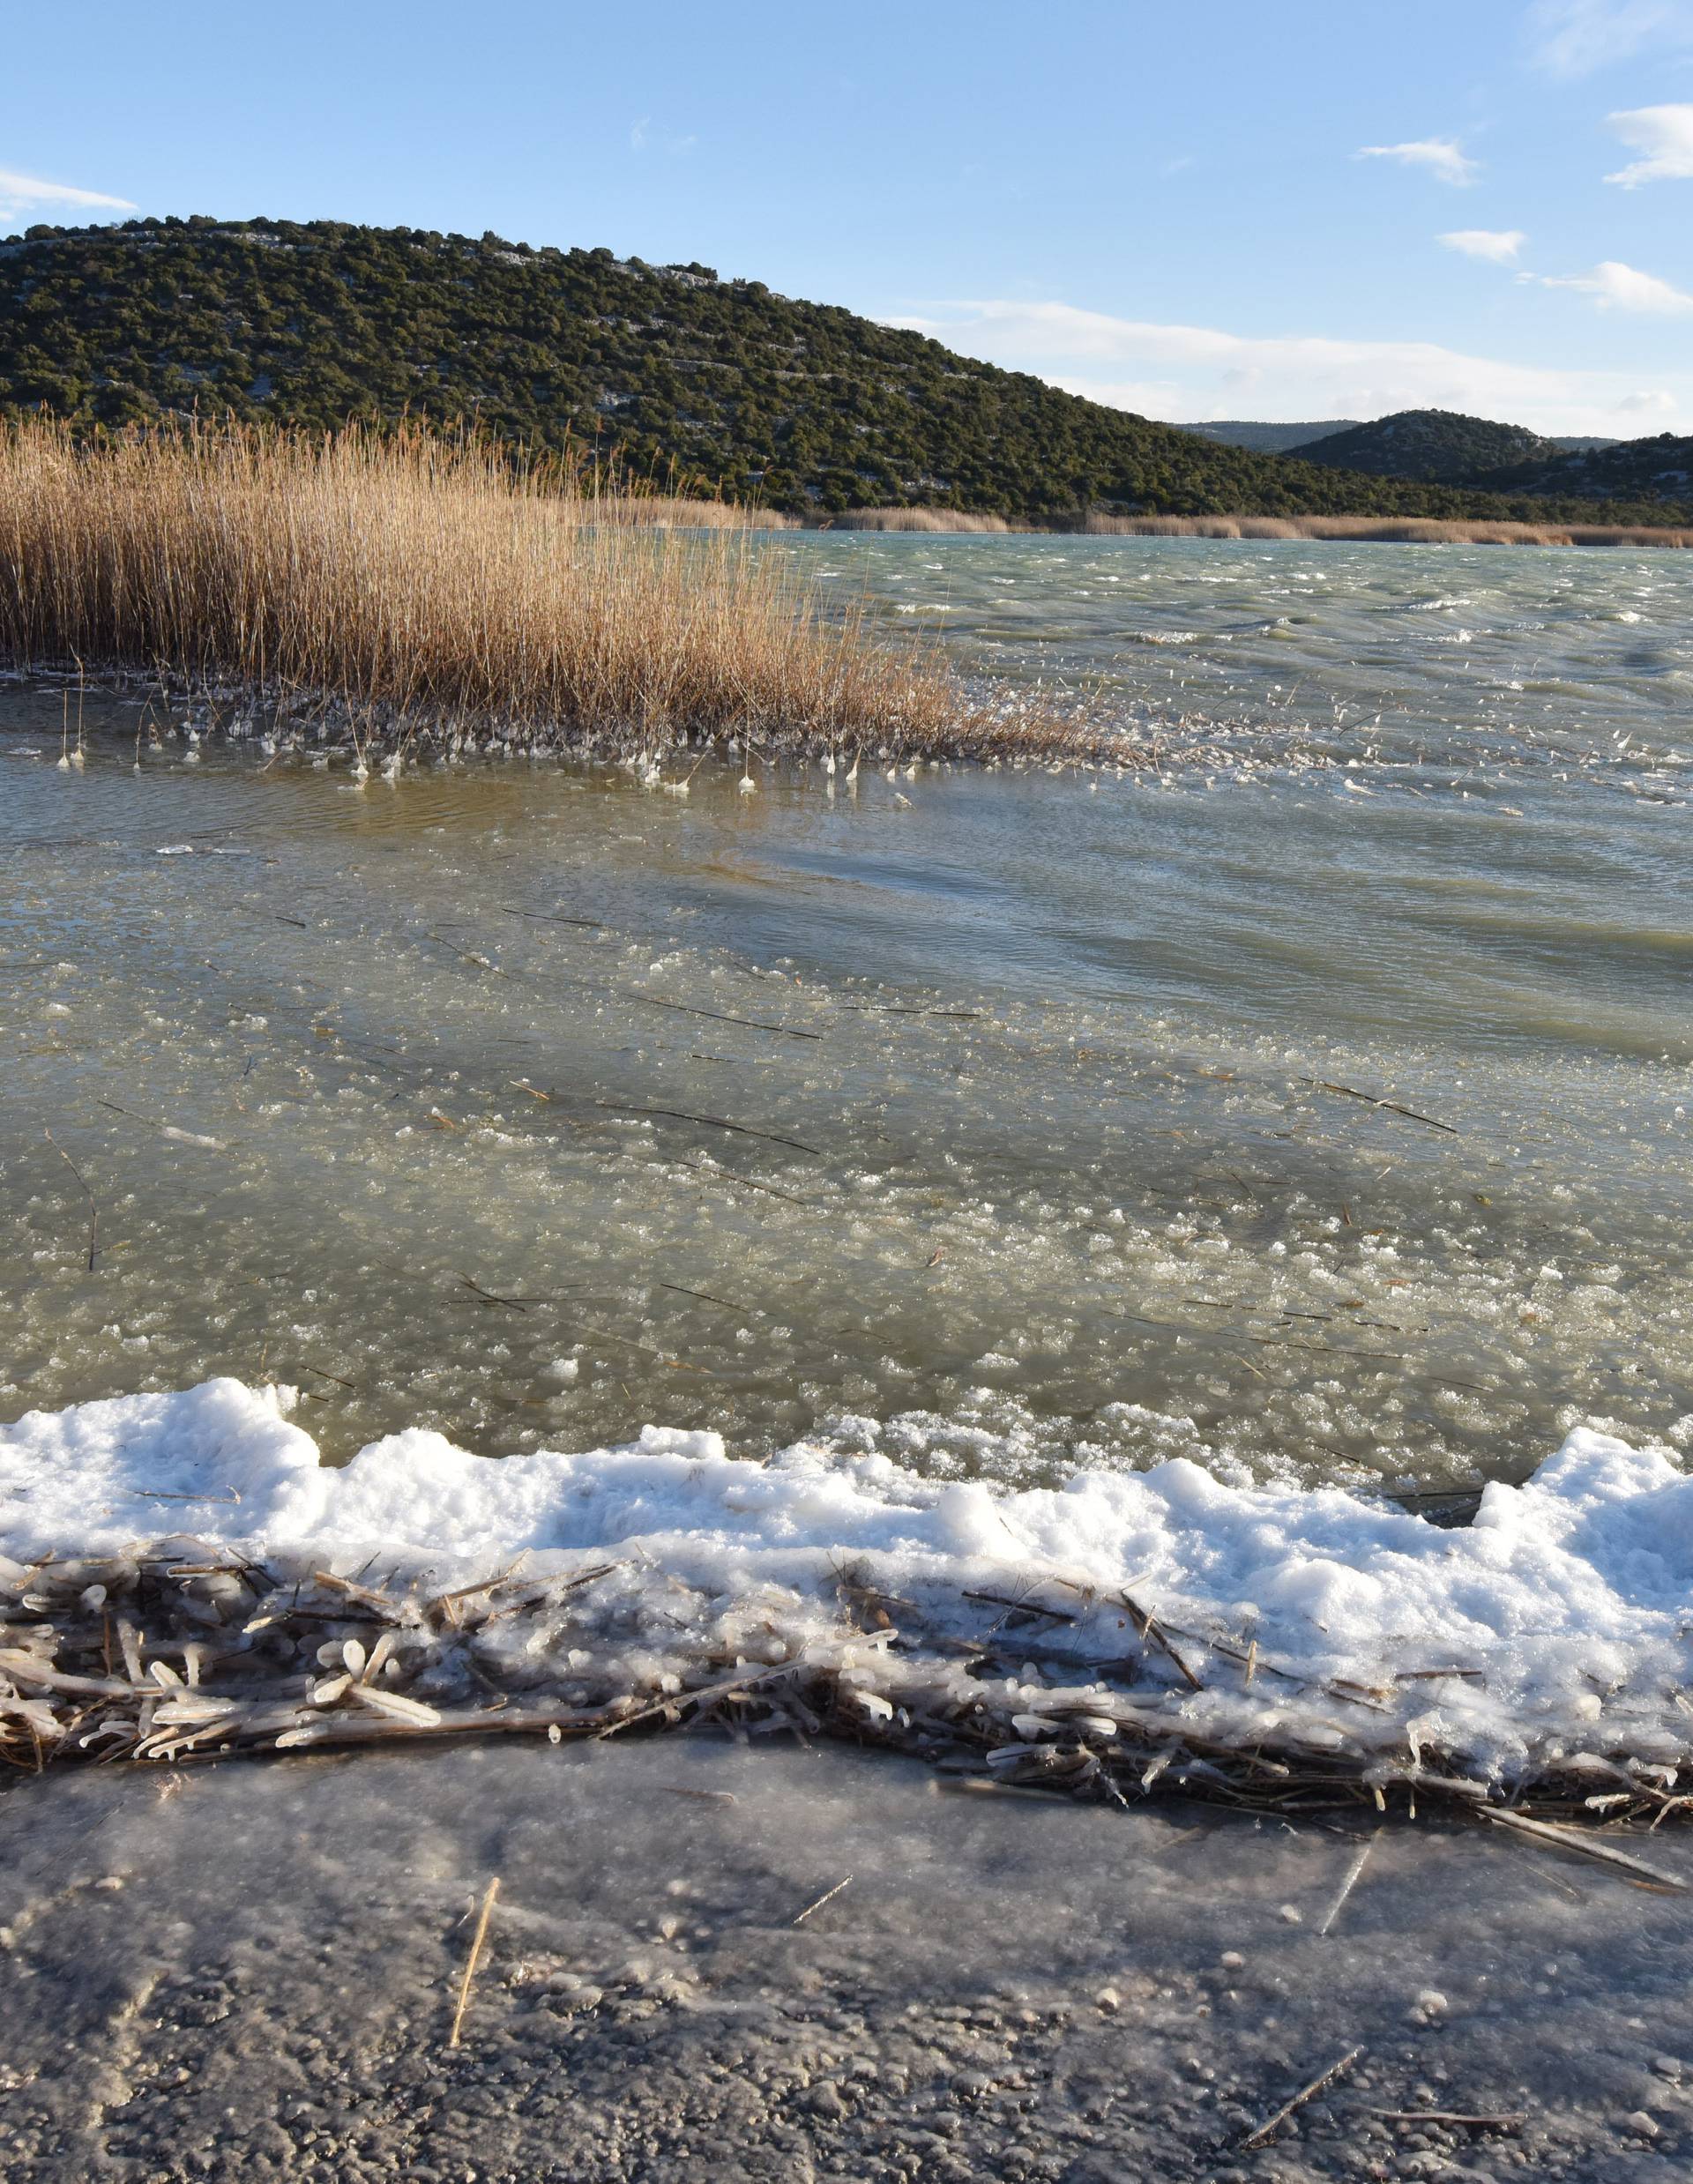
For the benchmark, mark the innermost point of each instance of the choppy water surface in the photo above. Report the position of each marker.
(1439, 661)
(1014, 1118)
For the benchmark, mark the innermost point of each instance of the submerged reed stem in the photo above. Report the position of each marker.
(474, 1958)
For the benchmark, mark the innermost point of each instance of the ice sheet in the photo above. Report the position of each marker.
(255, 1975)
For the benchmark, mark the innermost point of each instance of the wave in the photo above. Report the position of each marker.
(1119, 1630)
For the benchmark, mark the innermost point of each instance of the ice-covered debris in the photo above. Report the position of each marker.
(1080, 1625)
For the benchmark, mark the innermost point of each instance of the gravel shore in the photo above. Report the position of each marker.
(251, 1969)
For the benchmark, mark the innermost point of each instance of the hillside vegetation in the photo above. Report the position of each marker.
(1659, 469)
(1438, 445)
(719, 384)
(1269, 439)
(1408, 443)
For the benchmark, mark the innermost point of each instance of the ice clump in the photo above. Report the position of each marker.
(1556, 1626)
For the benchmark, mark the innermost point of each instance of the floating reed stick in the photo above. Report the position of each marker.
(93, 1209)
(828, 1896)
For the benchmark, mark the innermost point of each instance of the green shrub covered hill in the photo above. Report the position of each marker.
(715, 384)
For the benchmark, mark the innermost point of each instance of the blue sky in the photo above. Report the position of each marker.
(1312, 209)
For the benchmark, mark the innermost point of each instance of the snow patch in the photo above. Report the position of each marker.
(1558, 1625)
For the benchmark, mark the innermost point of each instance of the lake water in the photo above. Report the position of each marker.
(1006, 1121)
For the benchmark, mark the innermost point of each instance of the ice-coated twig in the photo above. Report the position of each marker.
(1353, 1872)
(828, 1896)
(472, 1960)
(1305, 2092)
(1452, 2117)
(1148, 1627)
(1584, 1846)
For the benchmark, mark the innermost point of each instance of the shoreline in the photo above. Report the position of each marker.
(1362, 530)
(999, 725)
(423, 1592)
(706, 1957)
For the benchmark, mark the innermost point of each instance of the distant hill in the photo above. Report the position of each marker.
(1301, 440)
(803, 406)
(1429, 444)
(1659, 469)
(1267, 439)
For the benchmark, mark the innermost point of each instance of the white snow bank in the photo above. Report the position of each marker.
(1560, 1623)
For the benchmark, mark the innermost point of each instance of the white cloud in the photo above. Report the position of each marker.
(641, 135)
(1616, 286)
(1498, 245)
(1440, 155)
(1195, 372)
(1665, 135)
(26, 193)
(1574, 37)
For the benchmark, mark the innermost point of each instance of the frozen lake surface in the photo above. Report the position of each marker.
(1002, 1112)
(1311, 1106)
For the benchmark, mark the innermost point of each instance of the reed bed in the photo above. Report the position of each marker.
(631, 506)
(183, 1651)
(1403, 530)
(407, 586)
(917, 519)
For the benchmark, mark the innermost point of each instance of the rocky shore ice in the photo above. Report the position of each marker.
(1135, 1624)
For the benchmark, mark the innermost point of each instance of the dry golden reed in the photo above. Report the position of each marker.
(1405, 530)
(915, 519)
(672, 512)
(424, 585)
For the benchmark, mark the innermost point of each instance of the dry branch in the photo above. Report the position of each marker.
(472, 1960)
